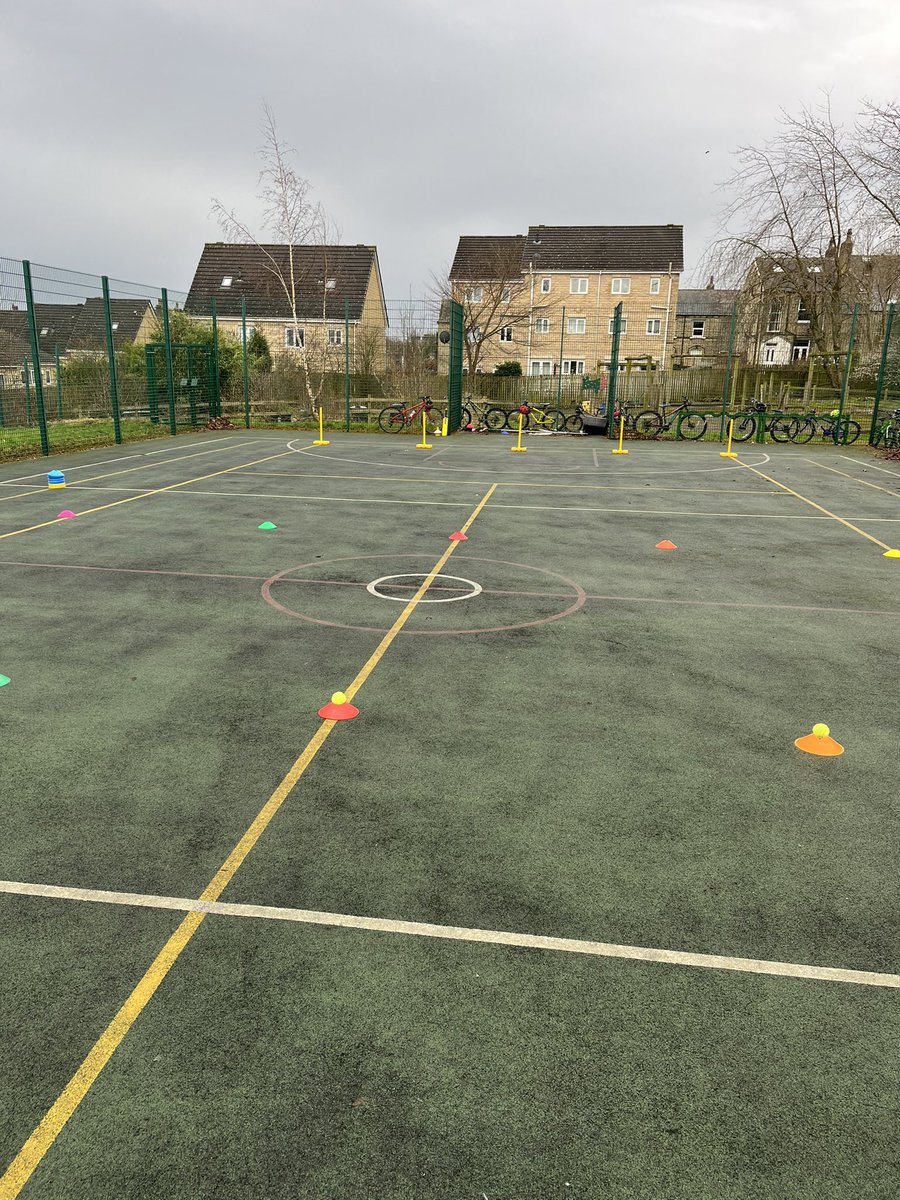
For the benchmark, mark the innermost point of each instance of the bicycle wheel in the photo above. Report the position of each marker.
(648, 424)
(852, 433)
(692, 426)
(780, 429)
(802, 429)
(554, 419)
(465, 418)
(574, 423)
(512, 419)
(744, 427)
(434, 419)
(495, 419)
(390, 419)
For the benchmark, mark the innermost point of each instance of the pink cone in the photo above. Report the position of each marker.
(457, 537)
(66, 514)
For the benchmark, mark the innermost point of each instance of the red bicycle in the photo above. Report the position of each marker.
(396, 417)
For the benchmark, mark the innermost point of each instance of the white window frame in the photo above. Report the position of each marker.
(474, 336)
(575, 285)
(803, 347)
(623, 326)
(505, 294)
(473, 295)
(546, 285)
(290, 336)
(540, 363)
(657, 321)
(773, 325)
(770, 352)
(654, 286)
(694, 323)
(801, 307)
(335, 336)
(620, 285)
(506, 333)
(542, 325)
(227, 280)
(576, 325)
(569, 363)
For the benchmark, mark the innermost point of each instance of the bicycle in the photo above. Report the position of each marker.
(841, 431)
(688, 423)
(395, 417)
(481, 415)
(888, 435)
(779, 424)
(551, 419)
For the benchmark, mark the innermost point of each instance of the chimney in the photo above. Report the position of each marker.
(846, 249)
(711, 284)
(832, 249)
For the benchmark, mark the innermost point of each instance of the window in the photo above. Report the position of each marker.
(541, 366)
(473, 295)
(46, 377)
(330, 285)
(770, 349)
(293, 338)
(44, 331)
(474, 334)
(800, 350)
(698, 329)
(578, 287)
(506, 333)
(573, 366)
(654, 325)
(546, 284)
(505, 294)
(226, 280)
(336, 337)
(623, 326)
(774, 324)
(575, 324)
(542, 325)
(115, 324)
(654, 286)
(621, 287)
(802, 313)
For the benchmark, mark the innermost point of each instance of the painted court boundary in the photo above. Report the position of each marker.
(458, 933)
(45, 1134)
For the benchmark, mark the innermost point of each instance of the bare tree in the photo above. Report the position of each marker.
(787, 233)
(497, 298)
(293, 219)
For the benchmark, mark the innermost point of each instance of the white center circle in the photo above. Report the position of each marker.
(373, 588)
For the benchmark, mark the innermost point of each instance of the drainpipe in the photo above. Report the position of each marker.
(530, 317)
(662, 365)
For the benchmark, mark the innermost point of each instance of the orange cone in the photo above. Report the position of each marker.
(458, 537)
(666, 546)
(819, 742)
(340, 709)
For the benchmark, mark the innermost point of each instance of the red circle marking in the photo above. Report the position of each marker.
(580, 596)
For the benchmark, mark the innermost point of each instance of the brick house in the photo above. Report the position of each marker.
(331, 283)
(546, 299)
(703, 326)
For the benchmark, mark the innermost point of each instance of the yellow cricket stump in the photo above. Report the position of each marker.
(729, 453)
(621, 436)
(321, 440)
(424, 444)
(519, 448)
(444, 424)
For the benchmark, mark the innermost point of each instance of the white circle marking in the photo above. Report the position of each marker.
(373, 588)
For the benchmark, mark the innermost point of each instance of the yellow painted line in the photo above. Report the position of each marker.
(864, 482)
(141, 496)
(458, 933)
(812, 503)
(48, 1130)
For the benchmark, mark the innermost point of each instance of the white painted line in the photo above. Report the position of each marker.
(493, 937)
(870, 466)
(179, 446)
(78, 467)
(466, 503)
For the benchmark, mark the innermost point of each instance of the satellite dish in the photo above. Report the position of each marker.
(444, 336)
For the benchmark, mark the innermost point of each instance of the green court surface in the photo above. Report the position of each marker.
(563, 913)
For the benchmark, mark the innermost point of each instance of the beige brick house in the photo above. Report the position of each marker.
(546, 300)
(339, 300)
(703, 326)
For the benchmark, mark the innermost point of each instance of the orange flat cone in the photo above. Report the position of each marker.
(819, 742)
(340, 709)
(666, 546)
(457, 537)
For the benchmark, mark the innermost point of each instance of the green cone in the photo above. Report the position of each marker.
(4, 680)
(267, 525)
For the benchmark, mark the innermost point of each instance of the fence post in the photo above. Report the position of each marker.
(36, 359)
(455, 366)
(882, 371)
(26, 375)
(59, 404)
(170, 369)
(111, 358)
(613, 384)
(347, 363)
(216, 398)
(245, 364)
(726, 387)
(845, 382)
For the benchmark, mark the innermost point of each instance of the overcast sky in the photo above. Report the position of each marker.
(415, 120)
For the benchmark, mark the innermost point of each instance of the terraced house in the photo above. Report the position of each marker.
(546, 300)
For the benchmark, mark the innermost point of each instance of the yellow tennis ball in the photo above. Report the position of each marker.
(821, 730)
(340, 698)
